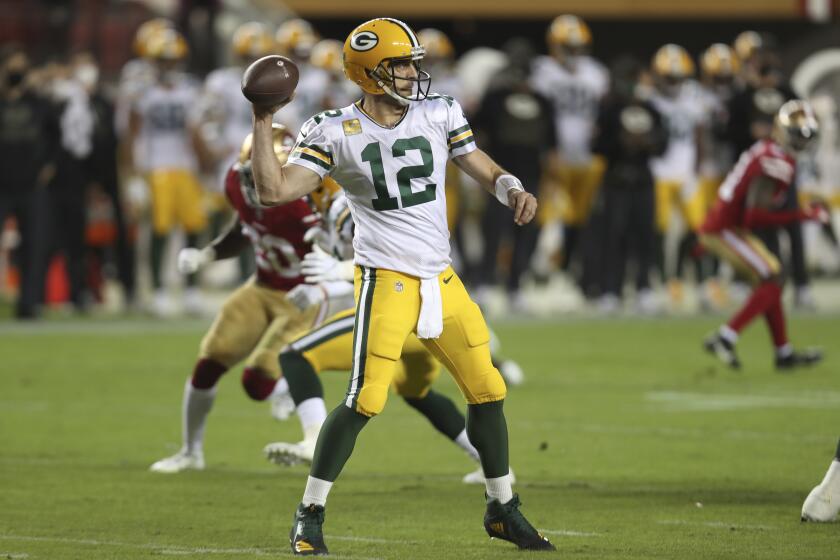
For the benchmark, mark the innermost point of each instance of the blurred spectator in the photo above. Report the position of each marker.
(630, 132)
(27, 141)
(517, 124)
(752, 111)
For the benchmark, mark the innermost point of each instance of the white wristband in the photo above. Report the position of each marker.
(505, 184)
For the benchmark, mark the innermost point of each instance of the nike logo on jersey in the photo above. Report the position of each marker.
(446, 280)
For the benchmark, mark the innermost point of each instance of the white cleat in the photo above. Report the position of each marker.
(290, 454)
(181, 461)
(512, 373)
(194, 302)
(820, 506)
(477, 477)
(161, 305)
(282, 405)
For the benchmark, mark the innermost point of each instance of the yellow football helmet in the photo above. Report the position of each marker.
(795, 126)
(167, 45)
(568, 32)
(295, 37)
(437, 44)
(326, 54)
(252, 40)
(284, 140)
(369, 51)
(747, 43)
(146, 30)
(720, 61)
(672, 62)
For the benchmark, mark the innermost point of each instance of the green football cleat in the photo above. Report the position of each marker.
(505, 521)
(306, 537)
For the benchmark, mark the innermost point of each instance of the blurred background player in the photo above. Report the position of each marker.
(326, 57)
(754, 196)
(575, 83)
(295, 39)
(440, 61)
(258, 319)
(630, 132)
(164, 119)
(752, 111)
(719, 72)
(676, 97)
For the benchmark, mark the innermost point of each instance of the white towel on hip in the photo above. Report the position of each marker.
(430, 322)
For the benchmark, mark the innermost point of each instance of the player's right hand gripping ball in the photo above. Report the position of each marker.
(271, 80)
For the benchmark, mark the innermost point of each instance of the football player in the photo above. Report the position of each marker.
(330, 347)
(676, 96)
(752, 196)
(389, 151)
(575, 83)
(164, 122)
(295, 39)
(224, 107)
(258, 319)
(326, 57)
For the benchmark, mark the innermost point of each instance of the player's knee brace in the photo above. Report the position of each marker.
(207, 373)
(257, 384)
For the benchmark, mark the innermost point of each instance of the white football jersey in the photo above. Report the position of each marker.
(575, 97)
(313, 87)
(393, 177)
(682, 115)
(167, 114)
(225, 104)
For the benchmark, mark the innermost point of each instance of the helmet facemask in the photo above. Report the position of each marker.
(387, 79)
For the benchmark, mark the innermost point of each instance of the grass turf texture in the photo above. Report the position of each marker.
(628, 442)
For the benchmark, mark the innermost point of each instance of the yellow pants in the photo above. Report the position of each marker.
(689, 200)
(330, 347)
(255, 322)
(578, 186)
(177, 199)
(387, 308)
(744, 251)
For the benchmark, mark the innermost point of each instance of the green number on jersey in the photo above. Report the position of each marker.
(373, 155)
(320, 116)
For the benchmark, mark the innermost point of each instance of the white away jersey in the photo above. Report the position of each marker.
(575, 96)
(394, 179)
(682, 115)
(167, 114)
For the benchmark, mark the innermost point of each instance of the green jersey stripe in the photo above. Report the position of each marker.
(458, 131)
(468, 140)
(313, 159)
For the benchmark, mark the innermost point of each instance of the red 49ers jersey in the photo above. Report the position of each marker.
(276, 234)
(765, 158)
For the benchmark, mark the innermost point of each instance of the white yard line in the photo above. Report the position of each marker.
(716, 525)
(567, 533)
(677, 401)
(176, 550)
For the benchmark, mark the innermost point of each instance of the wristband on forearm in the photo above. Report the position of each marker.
(504, 185)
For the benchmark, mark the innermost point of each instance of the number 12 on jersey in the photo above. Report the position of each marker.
(372, 154)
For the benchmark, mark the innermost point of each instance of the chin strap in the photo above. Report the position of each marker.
(394, 95)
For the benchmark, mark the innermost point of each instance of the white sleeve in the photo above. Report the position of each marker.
(313, 149)
(460, 135)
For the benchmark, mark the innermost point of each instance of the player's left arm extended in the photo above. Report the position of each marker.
(495, 180)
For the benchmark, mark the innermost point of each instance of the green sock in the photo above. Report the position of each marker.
(336, 441)
(303, 382)
(487, 430)
(158, 245)
(441, 412)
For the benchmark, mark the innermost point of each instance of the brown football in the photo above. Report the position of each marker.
(270, 80)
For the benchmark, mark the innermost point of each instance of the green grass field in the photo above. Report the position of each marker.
(627, 441)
